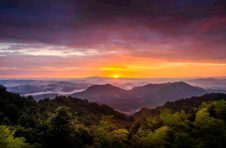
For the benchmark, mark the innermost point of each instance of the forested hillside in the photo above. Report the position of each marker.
(189, 105)
(70, 122)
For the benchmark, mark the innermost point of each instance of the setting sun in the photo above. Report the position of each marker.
(116, 76)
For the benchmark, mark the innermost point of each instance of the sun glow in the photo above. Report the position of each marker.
(115, 76)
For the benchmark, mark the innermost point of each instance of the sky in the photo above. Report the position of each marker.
(123, 38)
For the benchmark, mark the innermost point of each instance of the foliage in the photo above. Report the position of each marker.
(183, 140)
(158, 138)
(198, 122)
(7, 140)
(177, 121)
(106, 134)
(210, 131)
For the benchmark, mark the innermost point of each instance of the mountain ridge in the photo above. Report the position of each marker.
(150, 95)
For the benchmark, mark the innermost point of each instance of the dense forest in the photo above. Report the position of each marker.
(70, 122)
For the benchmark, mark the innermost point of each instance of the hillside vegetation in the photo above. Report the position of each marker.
(70, 122)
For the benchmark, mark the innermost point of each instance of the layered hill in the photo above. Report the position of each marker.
(116, 97)
(157, 94)
(150, 95)
(71, 121)
(124, 100)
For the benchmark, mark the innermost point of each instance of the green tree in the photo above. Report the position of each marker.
(81, 136)
(176, 121)
(7, 139)
(59, 133)
(101, 138)
(107, 122)
(66, 131)
(183, 140)
(220, 109)
(119, 138)
(107, 134)
(158, 139)
(210, 131)
(27, 120)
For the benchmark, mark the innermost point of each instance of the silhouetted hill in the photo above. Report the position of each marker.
(150, 95)
(127, 101)
(108, 94)
(209, 83)
(157, 94)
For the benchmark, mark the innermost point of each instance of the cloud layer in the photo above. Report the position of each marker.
(88, 37)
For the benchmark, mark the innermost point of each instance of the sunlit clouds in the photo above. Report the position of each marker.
(21, 60)
(179, 38)
(43, 50)
(53, 61)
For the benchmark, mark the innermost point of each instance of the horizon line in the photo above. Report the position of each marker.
(108, 77)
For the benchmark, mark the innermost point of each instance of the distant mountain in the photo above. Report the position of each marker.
(124, 94)
(25, 88)
(209, 83)
(41, 89)
(126, 86)
(157, 94)
(111, 95)
(150, 95)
